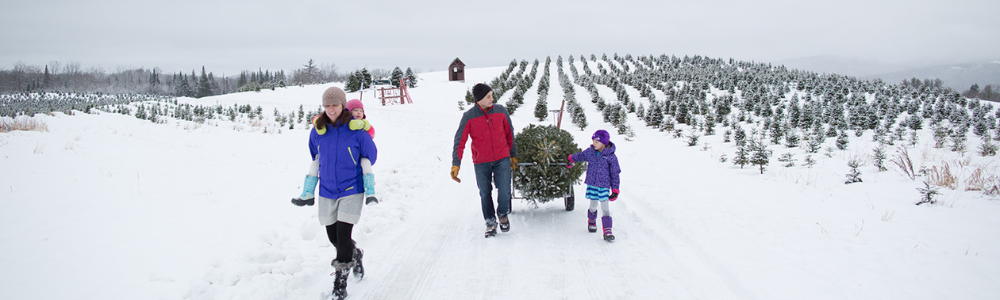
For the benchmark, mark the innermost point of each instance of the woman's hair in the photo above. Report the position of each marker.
(323, 119)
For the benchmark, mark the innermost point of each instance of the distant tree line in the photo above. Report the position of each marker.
(988, 93)
(362, 79)
(58, 77)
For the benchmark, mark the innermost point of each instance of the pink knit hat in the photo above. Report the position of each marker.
(355, 103)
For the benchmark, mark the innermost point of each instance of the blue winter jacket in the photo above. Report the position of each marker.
(602, 167)
(341, 151)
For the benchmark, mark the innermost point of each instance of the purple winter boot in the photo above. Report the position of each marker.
(606, 221)
(592, 221)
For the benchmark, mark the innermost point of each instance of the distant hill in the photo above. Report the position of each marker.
(838, 65)
(956, 76)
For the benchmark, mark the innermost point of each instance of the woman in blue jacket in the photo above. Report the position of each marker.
(341, 189)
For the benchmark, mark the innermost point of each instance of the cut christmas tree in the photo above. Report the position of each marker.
(542, 175)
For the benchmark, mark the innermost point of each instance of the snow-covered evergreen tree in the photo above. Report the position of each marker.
(809, 161)
(788, 159)
(544, 146)
(987, 147)
(204, 88)
(742, 156)
(411, 78)
(927, 194)
(541, 109)
(842, 140)
(854, 175)
(353, 83)
(761, 155)
(397, 75)
(878, 157)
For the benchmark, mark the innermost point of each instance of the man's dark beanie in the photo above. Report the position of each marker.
(480, 90)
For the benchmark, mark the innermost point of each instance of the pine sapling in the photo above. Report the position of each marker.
(693, 138)
(899, 134)
(842, 141)
(740, 136)
(853, 175)
(761, 155)
(927, 194)
(815, 144)
(788, 159)
(792, 140)
(879, 157)
(987, 148)
(809, 161)
(940, 136)
(742, 156)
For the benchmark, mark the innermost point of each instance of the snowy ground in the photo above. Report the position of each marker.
(112, 207)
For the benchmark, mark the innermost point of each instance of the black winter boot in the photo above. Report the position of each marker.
(359, 269)
(342, 270)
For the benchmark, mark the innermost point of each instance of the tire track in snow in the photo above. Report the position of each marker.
(696, 272)
(404, 275)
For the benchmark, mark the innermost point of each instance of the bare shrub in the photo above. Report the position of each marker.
(976, 181)
(903, 161)
(22, 123)
(942, 176)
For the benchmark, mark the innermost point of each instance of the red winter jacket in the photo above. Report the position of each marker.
(492, 135)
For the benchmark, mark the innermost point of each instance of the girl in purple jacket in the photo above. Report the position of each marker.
(602, 179)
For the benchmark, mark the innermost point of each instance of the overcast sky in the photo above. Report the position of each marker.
(229, 36)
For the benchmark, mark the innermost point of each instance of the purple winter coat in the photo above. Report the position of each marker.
(602, 167)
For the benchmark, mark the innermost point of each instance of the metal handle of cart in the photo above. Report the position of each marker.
(534, 163)
(569, 200)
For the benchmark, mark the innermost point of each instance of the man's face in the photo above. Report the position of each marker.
(487, 101)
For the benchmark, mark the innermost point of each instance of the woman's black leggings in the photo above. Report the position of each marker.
(340, 236)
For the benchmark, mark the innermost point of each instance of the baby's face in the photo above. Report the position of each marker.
(358, 113)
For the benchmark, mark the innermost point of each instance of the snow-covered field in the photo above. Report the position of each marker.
(107, 206)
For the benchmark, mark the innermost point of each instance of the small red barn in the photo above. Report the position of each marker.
(456, 71)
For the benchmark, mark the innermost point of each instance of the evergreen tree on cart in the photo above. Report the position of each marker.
(542, 181)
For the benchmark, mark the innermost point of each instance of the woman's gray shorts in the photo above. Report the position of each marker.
(345, 209)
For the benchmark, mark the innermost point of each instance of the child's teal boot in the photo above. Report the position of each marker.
(308, 189)
(369, 181)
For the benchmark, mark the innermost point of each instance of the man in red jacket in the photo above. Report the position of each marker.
(493, 153)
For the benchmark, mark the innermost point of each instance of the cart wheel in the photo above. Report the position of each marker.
(570, 201)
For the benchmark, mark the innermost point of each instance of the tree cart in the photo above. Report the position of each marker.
(541, 173)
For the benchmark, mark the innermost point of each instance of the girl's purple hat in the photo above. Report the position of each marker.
(602, 136)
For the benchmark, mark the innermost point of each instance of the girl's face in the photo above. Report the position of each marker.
(358, 113)
(598, 145)
(333, 110)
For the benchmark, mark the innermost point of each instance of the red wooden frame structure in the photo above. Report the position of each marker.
(391, 94)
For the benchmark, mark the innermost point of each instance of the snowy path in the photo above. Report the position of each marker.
(108, 207)
(438, 251)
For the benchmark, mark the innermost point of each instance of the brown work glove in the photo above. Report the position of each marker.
(454, 174)
(513, 163)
